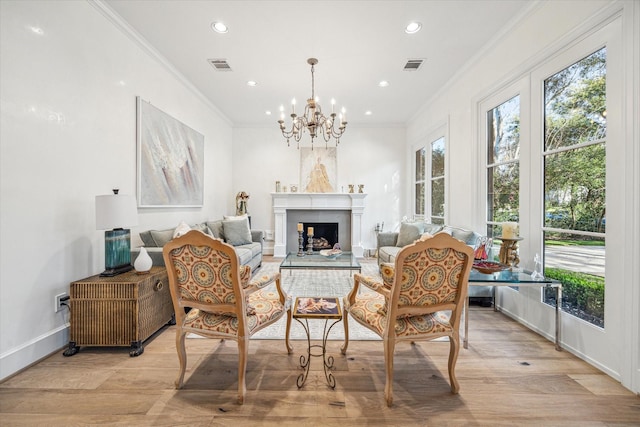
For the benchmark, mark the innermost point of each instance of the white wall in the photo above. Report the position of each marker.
(374, 157)
(68, 134)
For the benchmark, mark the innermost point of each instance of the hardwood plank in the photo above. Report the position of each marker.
(508, 376)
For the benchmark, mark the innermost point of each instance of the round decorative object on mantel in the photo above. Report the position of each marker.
(143, 262)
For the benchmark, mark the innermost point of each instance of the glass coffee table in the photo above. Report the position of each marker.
(344, 261)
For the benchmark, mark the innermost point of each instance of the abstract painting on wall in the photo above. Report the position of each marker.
(170, 160)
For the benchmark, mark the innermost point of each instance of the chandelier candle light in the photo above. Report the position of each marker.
(312, 118)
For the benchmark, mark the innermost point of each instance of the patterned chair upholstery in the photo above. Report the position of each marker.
(206, 276)
(420, 297)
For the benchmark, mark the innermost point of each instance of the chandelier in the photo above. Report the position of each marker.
(312, 120)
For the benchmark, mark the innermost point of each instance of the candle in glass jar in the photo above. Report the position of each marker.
(509, 230)
(299, 226)
(310, 231)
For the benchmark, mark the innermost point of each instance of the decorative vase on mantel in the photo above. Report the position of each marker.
(143, 262)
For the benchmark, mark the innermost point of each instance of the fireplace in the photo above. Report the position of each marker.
(344, 209)
(325, 235)
(320, 220)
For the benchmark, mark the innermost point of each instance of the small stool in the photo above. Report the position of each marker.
(317, 308)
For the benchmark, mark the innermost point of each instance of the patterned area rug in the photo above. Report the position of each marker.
(316, 283)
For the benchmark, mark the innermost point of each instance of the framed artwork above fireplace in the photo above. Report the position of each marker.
(318, 170)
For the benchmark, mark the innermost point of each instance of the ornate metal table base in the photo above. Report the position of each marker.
(305, 361)
(322, 308)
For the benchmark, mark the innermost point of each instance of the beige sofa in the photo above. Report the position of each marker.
(246, 242)
(390, 243)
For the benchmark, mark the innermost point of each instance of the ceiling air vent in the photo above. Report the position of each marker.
(220, 64)
(413, 64)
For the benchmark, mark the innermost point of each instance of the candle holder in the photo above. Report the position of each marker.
(509, 251)
(309, 244)
(300, 246)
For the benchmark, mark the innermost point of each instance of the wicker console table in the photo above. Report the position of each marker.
(122, 310)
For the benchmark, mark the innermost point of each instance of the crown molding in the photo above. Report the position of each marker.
(122, 25)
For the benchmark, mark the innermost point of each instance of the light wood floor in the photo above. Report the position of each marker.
(508, 376)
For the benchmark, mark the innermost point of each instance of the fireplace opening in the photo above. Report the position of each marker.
(325, 235)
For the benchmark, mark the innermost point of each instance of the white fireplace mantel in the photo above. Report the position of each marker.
(282, 202)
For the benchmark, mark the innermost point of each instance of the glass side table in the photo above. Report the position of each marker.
(327, 308)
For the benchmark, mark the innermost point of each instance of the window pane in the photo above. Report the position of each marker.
(437, 197)
(575, 103)
(579, 263)
(503, 125)
(419, 201)
(420, 164)
(502, 195)
(437, 158)
(574, 184)
(420, 198)
(575, 192)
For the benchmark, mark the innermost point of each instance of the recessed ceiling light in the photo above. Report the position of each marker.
(252, 83)
(219, 27)
(368, 113)
(413, 27)
(268, 113)
(383, 83)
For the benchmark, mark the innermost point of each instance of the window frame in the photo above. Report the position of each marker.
(425, 142)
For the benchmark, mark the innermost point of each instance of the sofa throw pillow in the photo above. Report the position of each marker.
(161, 237)
(467, 236)
(236, 218)
(409, 233)
(201, 227)
(215, 227)
(432, 228)
(182, 229)
(425, 236)
(147, 240)
(236, 232)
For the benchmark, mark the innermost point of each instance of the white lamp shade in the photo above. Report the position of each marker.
(116, 211)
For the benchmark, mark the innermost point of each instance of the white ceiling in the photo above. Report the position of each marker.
(357, 43)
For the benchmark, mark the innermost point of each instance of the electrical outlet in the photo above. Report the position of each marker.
(58, 301)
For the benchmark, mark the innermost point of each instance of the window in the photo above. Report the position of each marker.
(430, 181)
(503, 169)
(437, 181)
(419, 202)
(575, 130)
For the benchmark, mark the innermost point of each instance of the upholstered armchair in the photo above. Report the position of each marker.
(420, 297)
(206, 277)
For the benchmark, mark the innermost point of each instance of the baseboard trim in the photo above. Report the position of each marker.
(33, 351)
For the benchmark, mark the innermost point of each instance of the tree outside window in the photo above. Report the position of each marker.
(437, 181)
(503, 167)
(574, 185)
(419, 199)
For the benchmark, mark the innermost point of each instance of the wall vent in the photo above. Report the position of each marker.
(220, 64)
(413, 64)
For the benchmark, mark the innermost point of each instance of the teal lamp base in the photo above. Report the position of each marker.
(117, 252)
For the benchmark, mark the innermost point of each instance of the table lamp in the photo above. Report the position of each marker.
(113, 213)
